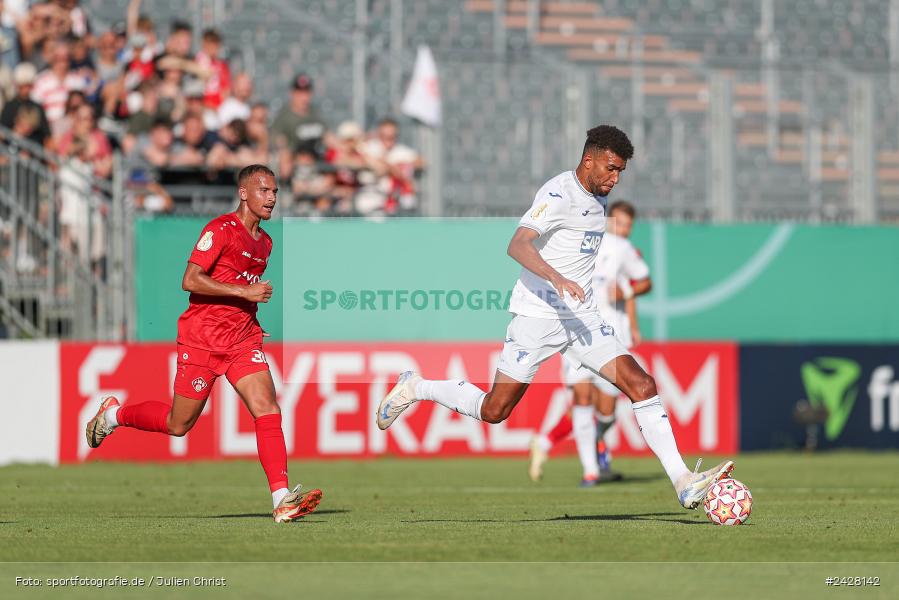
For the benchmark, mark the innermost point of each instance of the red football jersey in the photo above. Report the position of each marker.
(228, 253)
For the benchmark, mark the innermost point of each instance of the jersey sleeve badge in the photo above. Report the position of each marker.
(205, 242)
(539, 211)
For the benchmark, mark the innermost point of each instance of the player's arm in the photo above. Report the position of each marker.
(197, 281)
(630, 307)
(522, 249)
(636, 288)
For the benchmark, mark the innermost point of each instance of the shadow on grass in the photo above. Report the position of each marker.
(265, 515)
(636, 478)
(631, 517)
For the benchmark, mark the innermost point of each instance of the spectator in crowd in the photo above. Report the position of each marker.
(259, 114)
(171, 95)
(140, 55)
(9, 45)
(106, 63)
(313, 191)
(396, 166)
(298, 125)
(76, 18)
(354, 175)
(23, 78)
(85, 141)
(194, 92)
(143, 106)
(53, 86)
(237, 105)
(217, 73)
(26, 122)
(233, 150)
(194, 144)
(82, 228)
(75, 100)
(44, 22)
(177, 52)
(154, 150)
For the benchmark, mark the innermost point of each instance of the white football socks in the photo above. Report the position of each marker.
(278, 495)
(544, 443)
(656, 430)
(460, 396)
(585, 439)
(110, 415)
(603, 424)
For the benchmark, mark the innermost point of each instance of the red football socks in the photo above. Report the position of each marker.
(146, 416)
(272, 450)
(562, 429)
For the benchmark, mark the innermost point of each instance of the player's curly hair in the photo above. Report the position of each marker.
(608, 137)
(251, 170)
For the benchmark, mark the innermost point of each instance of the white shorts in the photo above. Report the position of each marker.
(530, 341)
(574, 372)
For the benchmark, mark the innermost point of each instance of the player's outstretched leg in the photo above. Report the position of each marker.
(463, 397)
(640, 387)
(171, 419)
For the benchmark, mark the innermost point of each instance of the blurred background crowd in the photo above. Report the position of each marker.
(165, 96)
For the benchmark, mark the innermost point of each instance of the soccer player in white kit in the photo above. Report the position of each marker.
(555, 311)
(618, 264)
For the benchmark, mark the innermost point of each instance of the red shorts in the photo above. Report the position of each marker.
(198, 369)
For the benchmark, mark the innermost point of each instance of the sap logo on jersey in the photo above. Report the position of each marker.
(591, 242)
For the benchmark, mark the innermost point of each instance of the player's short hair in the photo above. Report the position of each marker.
(623, 206)
(251, 170)
(608, 137)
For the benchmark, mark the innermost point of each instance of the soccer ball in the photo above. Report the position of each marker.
(728, 503)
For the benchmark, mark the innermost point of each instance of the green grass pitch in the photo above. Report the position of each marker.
(399, 527)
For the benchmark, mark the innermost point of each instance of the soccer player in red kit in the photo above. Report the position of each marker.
(218, 335)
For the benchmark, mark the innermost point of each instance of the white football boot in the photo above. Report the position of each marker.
(695, 487)
(538, 458)
(401, 397)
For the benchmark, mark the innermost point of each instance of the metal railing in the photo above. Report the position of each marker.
(66, 246)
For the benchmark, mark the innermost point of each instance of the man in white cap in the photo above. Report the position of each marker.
(23, 78)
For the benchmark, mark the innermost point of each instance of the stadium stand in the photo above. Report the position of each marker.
(801, 95)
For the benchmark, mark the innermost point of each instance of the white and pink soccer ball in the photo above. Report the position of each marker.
(728, 503)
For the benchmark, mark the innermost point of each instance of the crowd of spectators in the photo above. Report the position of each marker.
(180, 118)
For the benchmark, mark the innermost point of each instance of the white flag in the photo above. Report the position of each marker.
(422, 99)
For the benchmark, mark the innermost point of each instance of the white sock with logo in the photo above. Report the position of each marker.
(656, 430)
(278, 495)
(460, 396)
(110, 416)
(584, 428)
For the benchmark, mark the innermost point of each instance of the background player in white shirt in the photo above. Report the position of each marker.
(555, 311)
(619, 276)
